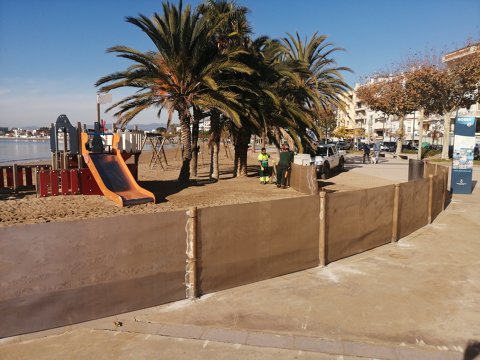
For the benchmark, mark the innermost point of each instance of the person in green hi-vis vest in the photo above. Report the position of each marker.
(284, 166)
(264, 170)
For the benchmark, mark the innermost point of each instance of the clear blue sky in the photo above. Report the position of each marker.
(53, 51)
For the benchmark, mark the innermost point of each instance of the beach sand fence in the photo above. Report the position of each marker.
(241, 244)
(62, 273)
(304, 179)
(357, 221)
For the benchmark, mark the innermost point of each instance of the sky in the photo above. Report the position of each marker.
(53, 51)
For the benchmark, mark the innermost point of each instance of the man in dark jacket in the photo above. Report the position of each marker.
(366, 152)
(284, 166)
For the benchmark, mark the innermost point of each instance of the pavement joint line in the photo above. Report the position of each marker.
(294, 342)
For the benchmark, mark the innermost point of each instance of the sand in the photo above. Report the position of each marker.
(170, 195)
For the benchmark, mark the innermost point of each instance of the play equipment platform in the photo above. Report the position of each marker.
(104, 156)
(113, 176)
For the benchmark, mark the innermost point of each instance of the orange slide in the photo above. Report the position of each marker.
(113, 176)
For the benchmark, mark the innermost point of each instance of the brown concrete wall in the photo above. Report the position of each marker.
(61, 273)
(437, 195)
(241, 244)
(413, 206)
(358, 220)
(304, 179)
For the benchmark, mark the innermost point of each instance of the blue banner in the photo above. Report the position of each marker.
(463, 151)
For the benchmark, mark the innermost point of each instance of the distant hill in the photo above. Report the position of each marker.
(147, 127)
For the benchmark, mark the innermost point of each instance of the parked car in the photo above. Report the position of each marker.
(326, 158)
(344, 145)
(390, 146)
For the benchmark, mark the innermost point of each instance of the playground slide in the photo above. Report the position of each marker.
(114, 178)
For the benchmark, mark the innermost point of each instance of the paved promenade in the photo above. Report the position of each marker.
(416, 299)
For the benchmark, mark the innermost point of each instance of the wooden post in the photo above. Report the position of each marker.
(430, 197)
(322, 250)
(15, 178)
(191, 268)
(163, 151)
(444, 191)
(396, 206)
(79, 155)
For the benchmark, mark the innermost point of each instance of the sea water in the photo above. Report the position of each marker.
(27, 150)
(23, 150)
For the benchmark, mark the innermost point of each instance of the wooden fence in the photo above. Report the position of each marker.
(61, 273)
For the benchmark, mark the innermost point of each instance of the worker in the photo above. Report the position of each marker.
(264, 169)
(284, 166)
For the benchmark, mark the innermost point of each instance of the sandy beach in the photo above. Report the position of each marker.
(170, 195)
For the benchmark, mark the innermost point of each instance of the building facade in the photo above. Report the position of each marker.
(369, 125)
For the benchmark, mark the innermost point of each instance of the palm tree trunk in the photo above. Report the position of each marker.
(241, 149)
(197, 116)
(446, 134)
(186, 137)
(214, 144)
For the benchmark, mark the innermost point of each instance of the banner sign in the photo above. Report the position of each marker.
(463, 151)
(104, 98)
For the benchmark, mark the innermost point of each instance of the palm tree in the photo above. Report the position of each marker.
(232, 30)
(279, 103)
(178, 75)
(323, 76)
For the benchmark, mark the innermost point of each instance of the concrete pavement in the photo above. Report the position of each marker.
(416, 299)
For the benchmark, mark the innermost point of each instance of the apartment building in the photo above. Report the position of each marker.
(346, 117)
(375, 125)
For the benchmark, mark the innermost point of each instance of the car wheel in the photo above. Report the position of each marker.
(326, 171)
(341, 164)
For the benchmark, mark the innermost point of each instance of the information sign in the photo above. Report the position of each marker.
(463, 151)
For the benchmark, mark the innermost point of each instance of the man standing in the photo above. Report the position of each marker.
(264, 170)
(366, 152)
(284, 166)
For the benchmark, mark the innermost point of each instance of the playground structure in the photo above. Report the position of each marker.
(14, 178)
(93, 163)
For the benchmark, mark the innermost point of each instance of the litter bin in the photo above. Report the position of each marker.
(415, 169)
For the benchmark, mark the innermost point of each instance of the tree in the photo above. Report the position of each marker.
(43, 131)
(321, 80)
(390, 95)
(458, 86)
(340, 132)
(444, 88)
(326, 122)
(423, 80)
(178, 75)
(232, 31)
